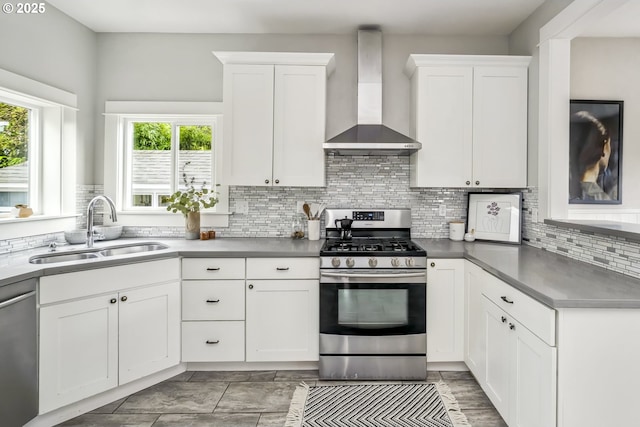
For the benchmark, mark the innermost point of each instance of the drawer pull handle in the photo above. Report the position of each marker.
(213, 268)
(282, 268)
(213, 342)
(213, 301)
(512, 326)
(505, 299)
(504, 319)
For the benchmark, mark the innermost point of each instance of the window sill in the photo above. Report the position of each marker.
(12, 228)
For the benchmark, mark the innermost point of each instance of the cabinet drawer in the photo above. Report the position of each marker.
(535, 316)
(213, 341)
(283, 268)
(213, 300)
(213, 268)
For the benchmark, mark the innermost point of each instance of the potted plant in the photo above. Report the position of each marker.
(189, 202)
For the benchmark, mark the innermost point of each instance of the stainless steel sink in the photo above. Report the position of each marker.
(63, 257)
(131, 248)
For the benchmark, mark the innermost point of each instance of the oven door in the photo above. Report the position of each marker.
(373, 302)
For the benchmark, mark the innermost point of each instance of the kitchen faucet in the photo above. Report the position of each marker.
(90, 208)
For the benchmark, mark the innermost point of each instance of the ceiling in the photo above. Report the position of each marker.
(428, 17)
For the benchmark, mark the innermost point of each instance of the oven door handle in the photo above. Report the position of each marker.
(373, 275)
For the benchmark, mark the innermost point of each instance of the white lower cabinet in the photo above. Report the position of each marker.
(445, 310)
(78, 350)
(520, 369)
(474, 325)
(282, 320)
(93, 344)
(213, 310)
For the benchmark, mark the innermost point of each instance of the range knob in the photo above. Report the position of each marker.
(350, 262)
(395, 262)
(373, 262)
(410, 262)
(335, 262)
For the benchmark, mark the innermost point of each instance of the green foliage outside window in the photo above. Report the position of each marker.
(14, 138)
(157, 136)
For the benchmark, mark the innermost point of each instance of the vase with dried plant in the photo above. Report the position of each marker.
(189, 202)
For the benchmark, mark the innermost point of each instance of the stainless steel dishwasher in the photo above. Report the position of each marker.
(18, 353)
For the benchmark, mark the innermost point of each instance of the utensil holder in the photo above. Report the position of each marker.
(313, 231)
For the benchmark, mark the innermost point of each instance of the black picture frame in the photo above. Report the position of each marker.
(595, 152)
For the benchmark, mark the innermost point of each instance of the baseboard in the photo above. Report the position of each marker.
(68, 412)
(250, 366)
(447, 366)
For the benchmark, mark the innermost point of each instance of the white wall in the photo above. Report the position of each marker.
(181, 67)
(55, 49)
(524, 41)
(607, 69)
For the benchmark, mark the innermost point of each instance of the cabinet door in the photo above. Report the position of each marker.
(499, 357)
(149, 330)
(533, 381)
(78, 350)
(248, 124)
(475, 351)
(299, 125)
(443, 109)
(445, 310)
(500, 127)
(282, 320)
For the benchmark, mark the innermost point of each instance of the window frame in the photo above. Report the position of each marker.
(118, 117)
(53, 179)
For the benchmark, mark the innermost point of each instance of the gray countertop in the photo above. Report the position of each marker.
(608, 228)
(552, 279)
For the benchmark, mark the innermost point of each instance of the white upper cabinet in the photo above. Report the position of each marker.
(274, 118)
(470, 114)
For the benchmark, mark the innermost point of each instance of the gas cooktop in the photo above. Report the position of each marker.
(367, 246)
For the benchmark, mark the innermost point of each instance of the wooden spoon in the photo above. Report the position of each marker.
(307, 210)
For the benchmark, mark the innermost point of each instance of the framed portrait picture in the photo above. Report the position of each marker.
(495, 216)
(595, 152)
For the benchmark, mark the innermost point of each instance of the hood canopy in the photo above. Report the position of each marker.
(370, 136)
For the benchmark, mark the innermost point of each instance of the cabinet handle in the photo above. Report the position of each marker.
(512, 326)
(213, 301)
(505, 299)
(282, 268)
(123, 299)
(477, 182)
(504, 319)
(468, 182)
(433, 264)
(213, 342)
(250, 286)
(113, 300)
(266, 181)
(213, 268)
(277, 181)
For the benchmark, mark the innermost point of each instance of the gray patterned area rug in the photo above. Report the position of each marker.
(375, 405)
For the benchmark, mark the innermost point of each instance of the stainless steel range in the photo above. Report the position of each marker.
(372, 297)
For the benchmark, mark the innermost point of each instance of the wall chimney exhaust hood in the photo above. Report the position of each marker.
(370, 136)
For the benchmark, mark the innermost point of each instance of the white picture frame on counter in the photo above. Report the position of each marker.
(495, 217)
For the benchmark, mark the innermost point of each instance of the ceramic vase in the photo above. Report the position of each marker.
(192, 226)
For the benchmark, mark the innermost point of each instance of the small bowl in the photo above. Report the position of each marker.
(76, 236)
(110, 232)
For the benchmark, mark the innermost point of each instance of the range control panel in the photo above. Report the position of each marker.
(368, 215)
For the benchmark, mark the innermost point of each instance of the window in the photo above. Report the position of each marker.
(153, 149)
(18, 145)
(166, 156)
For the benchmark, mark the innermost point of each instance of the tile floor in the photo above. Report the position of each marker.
(248, 399)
